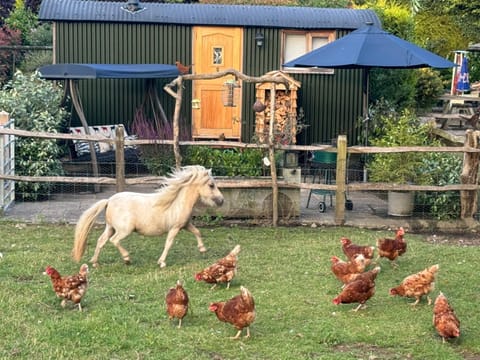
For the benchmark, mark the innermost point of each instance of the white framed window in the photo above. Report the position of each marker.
(297, 43)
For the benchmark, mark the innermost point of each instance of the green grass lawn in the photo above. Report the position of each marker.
(286, 269)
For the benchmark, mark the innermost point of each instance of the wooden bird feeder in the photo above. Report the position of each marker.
(230, 93)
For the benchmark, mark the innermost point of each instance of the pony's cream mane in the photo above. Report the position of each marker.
(178, 180)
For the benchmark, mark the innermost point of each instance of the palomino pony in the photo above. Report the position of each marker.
(166, 211)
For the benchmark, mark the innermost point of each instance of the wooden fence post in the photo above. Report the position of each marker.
(469, 175)
(271, 155)
(120, 158)
(341, 180)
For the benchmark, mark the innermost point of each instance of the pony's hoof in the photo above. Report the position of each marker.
(202, 249)
(95, 265)
(126, 261)
(162, 264)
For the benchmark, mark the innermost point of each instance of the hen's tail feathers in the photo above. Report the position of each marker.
(83, 270)
(84, 225)
(434, 268)
(246, 295)
(236, 250)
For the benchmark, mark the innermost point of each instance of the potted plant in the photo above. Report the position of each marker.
(402, 129)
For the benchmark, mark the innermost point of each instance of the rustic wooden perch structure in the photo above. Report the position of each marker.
(178, 95)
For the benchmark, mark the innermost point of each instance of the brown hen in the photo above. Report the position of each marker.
(350, 250)
(183, 69)
(177, 303)
(417, 285)
(444, 319)
(347, 271)
(69, 288)
(223, 271)
(238, 311)
(392, 248)
(370, 275)
(359, 290)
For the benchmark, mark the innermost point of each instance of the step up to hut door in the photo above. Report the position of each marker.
(285, 127)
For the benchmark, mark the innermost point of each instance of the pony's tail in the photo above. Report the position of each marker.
(84, 225)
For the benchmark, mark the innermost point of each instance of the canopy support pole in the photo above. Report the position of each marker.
(156, 99)
(77, 104)
(366, 117)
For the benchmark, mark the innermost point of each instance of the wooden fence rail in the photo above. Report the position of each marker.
(468, 187)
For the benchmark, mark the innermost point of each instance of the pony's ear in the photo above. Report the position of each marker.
(209, 172)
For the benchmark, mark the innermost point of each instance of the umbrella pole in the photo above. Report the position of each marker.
(366, 119)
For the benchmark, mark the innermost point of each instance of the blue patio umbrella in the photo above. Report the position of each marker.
(463, 81)
(369, 47)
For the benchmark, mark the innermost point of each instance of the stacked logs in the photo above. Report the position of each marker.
(285, 126)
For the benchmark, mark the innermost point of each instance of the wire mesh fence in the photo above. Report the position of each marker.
(314, 205)
(76, 181)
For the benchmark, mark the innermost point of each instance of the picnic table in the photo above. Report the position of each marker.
(448, 120)
(457, 111)
(462, 104)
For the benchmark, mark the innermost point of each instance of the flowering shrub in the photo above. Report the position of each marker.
(34, 104)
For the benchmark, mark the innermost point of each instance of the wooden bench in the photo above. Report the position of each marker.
(446, 120)
(79, 162)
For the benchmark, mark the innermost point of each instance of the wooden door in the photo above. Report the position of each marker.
(216, 49)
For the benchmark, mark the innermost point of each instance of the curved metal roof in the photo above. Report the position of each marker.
(208, 14)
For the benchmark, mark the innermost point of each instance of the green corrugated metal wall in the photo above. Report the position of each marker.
(332, 103)
(113, 101)
(256, 62)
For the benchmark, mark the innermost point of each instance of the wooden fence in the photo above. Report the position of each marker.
(468, 187)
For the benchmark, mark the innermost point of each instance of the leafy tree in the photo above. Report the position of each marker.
(8, 37)
(251, 2)
(326, 3)
(33, 5)
(162, 1)
(5, 7)
(429, 87)
(396, 86)
(467, 17)
(22, 19)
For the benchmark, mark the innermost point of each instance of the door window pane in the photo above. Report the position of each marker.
(217, 56)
